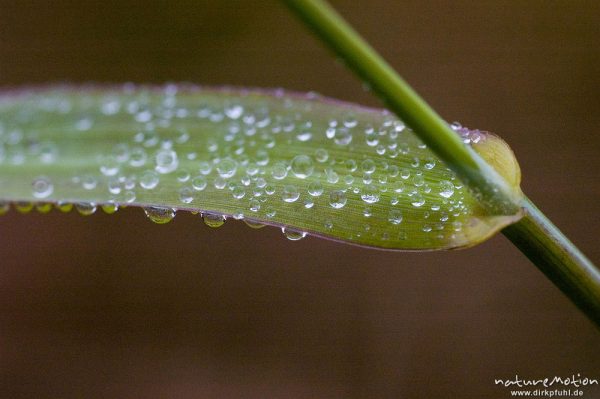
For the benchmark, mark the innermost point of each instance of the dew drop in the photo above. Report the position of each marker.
(159, 214)
(149, 180)
(254, 224)
(337, 199)
(86, 208)
(290, 193)
(417, 200)
(302, 166)
(395, 216)
(42, 187)
(186, 195)
(43, 207)
(315, 189)
(368, 166)
(292, 234)
(4, 207)
(110, 207)
(342, 136)
(321, 155)
(254, 205)
(279, 171)
(446, 188)
(370, 194)
(64, 206)
(166, 161)
(213, 220)
(226, 168)
(23, 207)
(199, 183)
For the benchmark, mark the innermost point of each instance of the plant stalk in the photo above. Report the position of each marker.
(534, 235)
(558, 258)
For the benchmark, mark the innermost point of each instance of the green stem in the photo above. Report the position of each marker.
(544, 244)
(493, 191)
(534, 235)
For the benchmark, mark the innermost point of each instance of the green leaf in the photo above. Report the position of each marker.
(303, 162)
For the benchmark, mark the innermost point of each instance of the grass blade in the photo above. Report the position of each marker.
(302, 162)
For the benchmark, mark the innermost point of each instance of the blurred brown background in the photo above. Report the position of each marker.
(118, 307)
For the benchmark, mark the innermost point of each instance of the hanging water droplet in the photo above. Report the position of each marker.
(43, 207)
(254, 224)
(42, 187)
(110, 207)
(159, 214)
(302, 166)
(23, 207)
(292, 234)
(86, 208)
(64, 206)
(337, 199)
(4, 207)
(213, 220)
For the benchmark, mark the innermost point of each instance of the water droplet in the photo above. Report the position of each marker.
(370, 194)
(302, 166)
(23, 207)
(321, 155)
(226, 168)
(159, 214)
(238, 192)
(86, 208)
(254, 224)
(213, 220)
(315, 189)
(166, 161)
(149, 180)
(254, 205)
(4, 207)
(368, 166)
(110, 207)
(199, 183)
(42, 187)
(186, 195)
(279, 171)
(290, 193)
(43, 207)
(417, 200)
(110, 166)
(446, 189)
(395, 216)
(342, 136)
(183, 176)
(292, 234)
(337, 199)
(64, 206)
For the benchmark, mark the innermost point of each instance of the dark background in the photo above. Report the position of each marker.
(118, 307)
